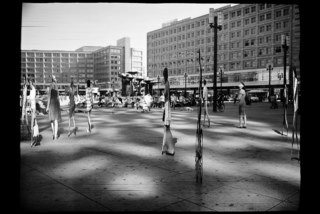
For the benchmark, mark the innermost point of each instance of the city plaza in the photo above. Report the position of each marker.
(119, 166)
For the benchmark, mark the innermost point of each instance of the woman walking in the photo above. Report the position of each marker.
(72, 106)
(89, 102)
(205, 101)
(242, 103)
(24, 113)
(33, 110)
(53, 107)
(167, 143)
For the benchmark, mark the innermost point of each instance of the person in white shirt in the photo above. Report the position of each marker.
(24, 113)
(33, 107)
(205, 100)
(242, 103)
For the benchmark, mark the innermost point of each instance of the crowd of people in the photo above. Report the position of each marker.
(35, 104)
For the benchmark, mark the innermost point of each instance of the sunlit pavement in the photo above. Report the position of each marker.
(119, 166)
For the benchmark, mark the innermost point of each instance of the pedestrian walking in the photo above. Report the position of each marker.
(242, 103)
(32, 100)
(89, 103)
(72, 92)
(167, 143)
(205, 101)
(24, 113)
(53, 108)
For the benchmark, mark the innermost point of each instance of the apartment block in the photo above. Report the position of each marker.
(250, 38)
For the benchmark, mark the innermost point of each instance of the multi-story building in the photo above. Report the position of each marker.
(40, 65)
(250, 38)
(99, 64)
(108, 63)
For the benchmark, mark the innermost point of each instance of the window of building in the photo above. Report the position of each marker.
(261, 17)
(268, 38)
(253, 30)
(225, 16)
(233, 14)
(225, 26)
(239, 23)
(246, 21)
(261, 6)
(277, 13)
(253, 19)
(233, 24)
(277, 49)
(261, 40)
(238, 33)
(247, 10)
(253, 9)
(285, 24)
(268, 27)
(239, 13)
(268, 16)
(286, 11)
(261, 29)
(246, 32)
(277, 25)
(253, 41)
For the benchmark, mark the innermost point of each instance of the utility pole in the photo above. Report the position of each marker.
(285, 46)
(215, 21)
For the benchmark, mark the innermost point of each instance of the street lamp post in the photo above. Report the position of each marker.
(285, 46)
(158, 78)
(215, 21)
(269, 68)
(185, 84)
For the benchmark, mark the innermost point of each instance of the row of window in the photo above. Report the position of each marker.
(280, 25)
(32, 54)
(233, 14)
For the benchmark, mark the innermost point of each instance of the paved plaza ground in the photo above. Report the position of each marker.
(119, 166)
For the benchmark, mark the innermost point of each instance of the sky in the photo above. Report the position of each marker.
(69, 26)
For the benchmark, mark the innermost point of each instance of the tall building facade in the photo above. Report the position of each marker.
(250, 38)
(39, 65)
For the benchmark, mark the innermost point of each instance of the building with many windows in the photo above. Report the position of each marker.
(250, 38)
(99, 64)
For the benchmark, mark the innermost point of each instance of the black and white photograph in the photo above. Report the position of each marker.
(160, 107)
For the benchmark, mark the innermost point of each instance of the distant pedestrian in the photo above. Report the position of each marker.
(53, 107)
(24, 113)
(72, 92)
(33, 109)
(89, 103)
(161, 101)
(205, 101)
(242, 103)
(167, 144)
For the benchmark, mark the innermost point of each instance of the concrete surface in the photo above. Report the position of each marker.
(119, 166)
